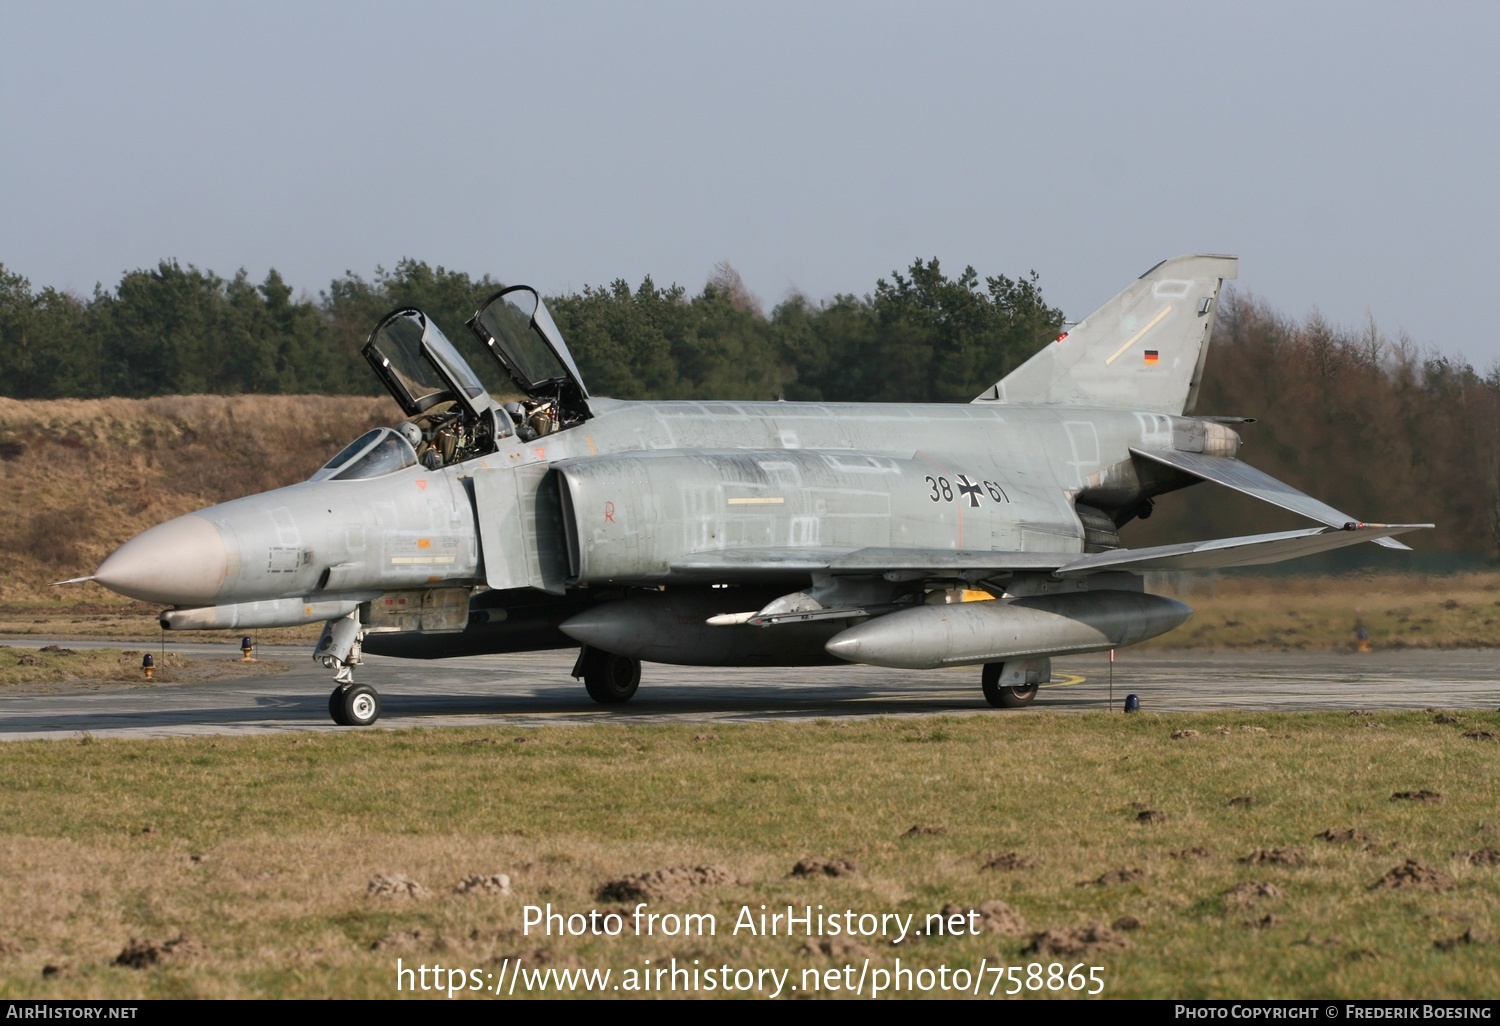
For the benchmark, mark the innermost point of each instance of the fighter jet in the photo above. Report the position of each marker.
(525, 513)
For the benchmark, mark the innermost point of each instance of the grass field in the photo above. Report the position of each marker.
(1323, 612)
(1243, 861)
(58, 666)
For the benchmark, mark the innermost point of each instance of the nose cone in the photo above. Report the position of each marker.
(182, 562)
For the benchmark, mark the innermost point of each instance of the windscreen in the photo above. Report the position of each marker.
(372, 454)
(348, 453)
(388, 455)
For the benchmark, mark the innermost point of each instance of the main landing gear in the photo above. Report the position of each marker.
(1014, 689)
(610, 679)
(351, 704)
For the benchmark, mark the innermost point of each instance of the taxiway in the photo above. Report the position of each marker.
(535, 689)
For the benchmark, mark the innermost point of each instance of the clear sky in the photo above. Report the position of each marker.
(1347, 152)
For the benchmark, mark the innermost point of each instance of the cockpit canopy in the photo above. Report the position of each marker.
(454, 416)
(373, 454)
(518, 332)
(420, 366)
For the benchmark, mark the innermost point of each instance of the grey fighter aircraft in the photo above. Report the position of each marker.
(525, 513)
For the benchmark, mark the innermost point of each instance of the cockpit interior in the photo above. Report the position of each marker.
(452, 414)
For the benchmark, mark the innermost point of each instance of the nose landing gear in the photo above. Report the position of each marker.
(351, 704)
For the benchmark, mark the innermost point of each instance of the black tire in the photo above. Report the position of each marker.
(336, 706)
(1004, 697)
(610, 679)
(355, 705)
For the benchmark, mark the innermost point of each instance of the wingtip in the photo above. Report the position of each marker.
(1388, 542)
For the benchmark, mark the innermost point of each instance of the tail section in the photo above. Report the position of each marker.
(1143, 350)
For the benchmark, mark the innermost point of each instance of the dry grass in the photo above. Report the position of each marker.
(96, 667)
(80, 476)
(100, 838)
(1397, 611)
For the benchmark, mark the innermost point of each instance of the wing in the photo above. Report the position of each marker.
(1246, 550)
(840, 597)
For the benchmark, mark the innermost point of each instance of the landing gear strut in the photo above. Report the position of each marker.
(1018, 689)
(351, 704)
(610, 679)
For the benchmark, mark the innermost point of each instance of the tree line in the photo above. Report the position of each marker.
(1373, 425)
(172, 330)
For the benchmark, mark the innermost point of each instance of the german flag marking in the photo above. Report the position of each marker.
(1151, 356)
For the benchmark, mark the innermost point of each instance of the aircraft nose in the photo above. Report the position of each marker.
(182, 562)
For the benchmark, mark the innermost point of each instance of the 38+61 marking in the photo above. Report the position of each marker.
(962, 488)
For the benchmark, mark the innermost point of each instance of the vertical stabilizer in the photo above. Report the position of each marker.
(1143, 350)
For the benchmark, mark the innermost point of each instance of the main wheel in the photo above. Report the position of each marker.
(354, 705)
(1002, 696)
(610, 679)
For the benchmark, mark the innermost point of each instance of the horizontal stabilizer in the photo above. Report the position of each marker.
(1247, 550)
(1243, 478)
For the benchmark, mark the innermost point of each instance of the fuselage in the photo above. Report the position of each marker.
(644, 484)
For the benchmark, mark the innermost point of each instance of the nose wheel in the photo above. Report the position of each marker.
(354, 705)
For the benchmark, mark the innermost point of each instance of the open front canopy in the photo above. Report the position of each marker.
(420, 366)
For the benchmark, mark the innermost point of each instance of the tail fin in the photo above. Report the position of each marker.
(1143, 350)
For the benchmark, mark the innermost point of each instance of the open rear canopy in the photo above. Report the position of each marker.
(518, 332)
